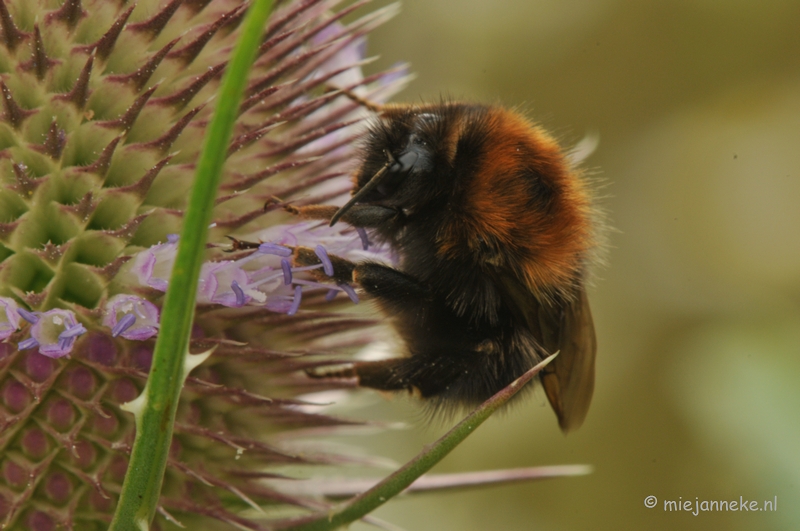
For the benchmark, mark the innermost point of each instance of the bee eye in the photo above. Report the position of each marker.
(415, 140)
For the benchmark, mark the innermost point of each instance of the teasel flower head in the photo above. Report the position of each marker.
(104, 108)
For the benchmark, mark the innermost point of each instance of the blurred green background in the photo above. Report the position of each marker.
(697, 107)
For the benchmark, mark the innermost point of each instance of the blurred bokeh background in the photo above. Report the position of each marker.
(697, 107)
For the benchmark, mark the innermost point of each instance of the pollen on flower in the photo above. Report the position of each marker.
(216, 284)
(131, 317)
(55, 333)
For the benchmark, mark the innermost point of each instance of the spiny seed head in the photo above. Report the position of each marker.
(104, 107)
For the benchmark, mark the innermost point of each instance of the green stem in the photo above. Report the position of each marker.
(155, 409)
(398, 481)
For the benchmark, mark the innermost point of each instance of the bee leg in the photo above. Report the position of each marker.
(342, 268)
(427, 376)
(393, 289)
(240, 245)
(384, 375)
(305, 212)
(388, 285)
(419, 376)
(368, 216)
(368, 104)
(365, 216)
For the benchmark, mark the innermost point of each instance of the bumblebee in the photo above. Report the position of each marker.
(494, 231)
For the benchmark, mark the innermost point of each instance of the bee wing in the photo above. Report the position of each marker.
(568, 328)
(569, 380)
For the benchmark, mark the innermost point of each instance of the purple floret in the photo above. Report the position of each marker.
(131, 317)
(362, 233)
(123, 324)
(298, 296)
(287, 272)
(240, 298)
(327, 265)
(9, 317)
(274, 248)
(350, 292)
(31, 317)
(28, 343)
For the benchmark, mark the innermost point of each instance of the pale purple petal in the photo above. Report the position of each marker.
(273, 248)
(127, 321)
(263, 278)
(298, 296)
(9, 317)
(56, 331)
(153, 266)
(364, 239)
(347, 56)
(28, 343)
(278, 305)
(322, 254)
(240, 296)
(287, 272)
(216, 279)
(350, 292)
(340, 240)
(131, 317)
(31, 317)
(72, 332)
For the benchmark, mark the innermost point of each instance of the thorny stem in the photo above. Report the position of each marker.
(398, 481)
(155, 409)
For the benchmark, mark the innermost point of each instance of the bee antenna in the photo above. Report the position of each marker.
(377, 108)
(371, 184)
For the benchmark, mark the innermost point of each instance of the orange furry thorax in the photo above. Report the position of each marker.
(524, 204)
